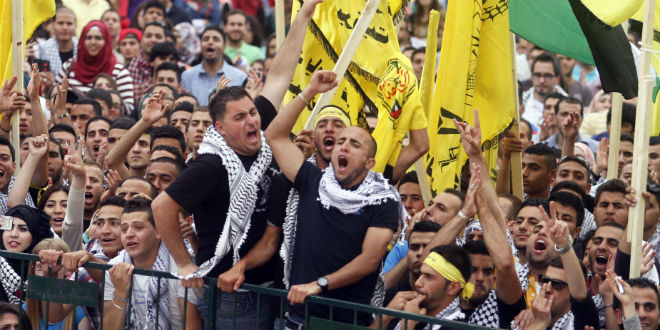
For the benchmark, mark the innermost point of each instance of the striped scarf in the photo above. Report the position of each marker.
(243, 188)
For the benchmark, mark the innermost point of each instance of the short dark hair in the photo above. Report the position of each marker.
(570, 185)
(186, 94)
(476, 247)
(182, 106)
(213, 28)
(114, 200)
(569, 100)
(59, 146)
(420, 50)
(628, 114)
(163, 49)
(102, 94)
(580, 161)
(123, 123)
(93, 103)
(553, 95)
(614, 185)
(456, 193)
(140, 204)
(516, 204)
(51, 190)
(232, 13)
(170, 149)
(169, 66)
(654, 140)
(456, 256)
(542, 149)
(641, 283)
(154, 3)
(8, 308)
(536, 202)
(218, 104)
(158, 24)
(568, 199)
(168, 131)
(62, 128)
(410, 177)
(154, 190)
(627, 137)
(5, 142)
(425, 226)
(179, 164)
(174, 91)
(97, 118)
(547, 58)
(610, 224)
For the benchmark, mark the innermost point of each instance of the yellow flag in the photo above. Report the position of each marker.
(35, 12)
(655, 62)
(379, 80)
(475, 73)
(613, 12)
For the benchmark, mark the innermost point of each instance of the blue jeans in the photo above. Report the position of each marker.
(245, 310)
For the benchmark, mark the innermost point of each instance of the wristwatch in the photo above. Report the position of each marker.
(323, 283)
(565, 248)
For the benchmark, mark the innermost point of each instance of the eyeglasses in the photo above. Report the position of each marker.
(557, 285)
(539, 75)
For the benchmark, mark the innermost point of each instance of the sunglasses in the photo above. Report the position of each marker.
(556, 284)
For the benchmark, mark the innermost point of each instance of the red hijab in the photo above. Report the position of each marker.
(86, 66)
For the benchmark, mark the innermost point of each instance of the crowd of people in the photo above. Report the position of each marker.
(153, 135)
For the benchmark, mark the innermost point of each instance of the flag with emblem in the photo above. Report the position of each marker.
(379, 80)
(475, 73)
(35, 12)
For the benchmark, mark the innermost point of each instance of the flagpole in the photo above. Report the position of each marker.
(17, 58)
(279, 23)
(615, 137)
(426, 86)
(346, 56)
(642, 133)
(516, 157)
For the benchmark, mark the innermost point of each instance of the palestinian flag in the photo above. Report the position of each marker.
(569, 28)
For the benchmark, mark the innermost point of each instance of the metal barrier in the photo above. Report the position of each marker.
(87, 294)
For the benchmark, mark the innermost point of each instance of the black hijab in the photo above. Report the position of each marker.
(38, 222)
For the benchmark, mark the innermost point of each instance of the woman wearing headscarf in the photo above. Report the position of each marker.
(190, 46)
(95, 56)
(29, 227)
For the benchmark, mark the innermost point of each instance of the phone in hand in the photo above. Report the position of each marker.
(43, 65)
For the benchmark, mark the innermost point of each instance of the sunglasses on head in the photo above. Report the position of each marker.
(556, 284)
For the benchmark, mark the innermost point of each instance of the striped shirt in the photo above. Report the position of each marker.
(121, 76)
(200, 84)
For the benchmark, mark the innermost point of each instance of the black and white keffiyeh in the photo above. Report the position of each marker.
(487, 313)
(289, 228)
(374, 190)
(162, 264)
(243, 188)
(452, 313)
(4, 197)
(11, 282)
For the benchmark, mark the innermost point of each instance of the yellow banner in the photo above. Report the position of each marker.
(35, 12)
(475, 72)
(379, 80)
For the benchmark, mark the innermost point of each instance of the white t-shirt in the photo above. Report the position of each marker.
(140, 293)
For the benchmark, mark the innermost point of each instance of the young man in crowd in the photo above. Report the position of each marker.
(96, 137)
(234, 26)
(569, 115)
(143, 249)
(538, 170)
(203, 77)
(63, 45)
(545, 80)
(163, 171)
(140, 66)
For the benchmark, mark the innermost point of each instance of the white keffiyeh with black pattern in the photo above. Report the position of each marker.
(4, 197)
(243, 188)
(452, 313)
(11, 282)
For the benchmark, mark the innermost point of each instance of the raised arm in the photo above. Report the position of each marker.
(507, 283)
(59, 115)
(510, 143)
(286, 153)
(285, 62)
(418, 146)
(558, 231)
(10, 101)
(569, 127)
(153, 111)
(38, 149)
(72, 229)
(39, 126)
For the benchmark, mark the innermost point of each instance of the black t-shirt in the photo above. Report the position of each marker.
(65, 56)
(327, 240)
(203, 190)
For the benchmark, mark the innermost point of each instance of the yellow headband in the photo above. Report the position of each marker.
(449, 272)
(332, 111)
